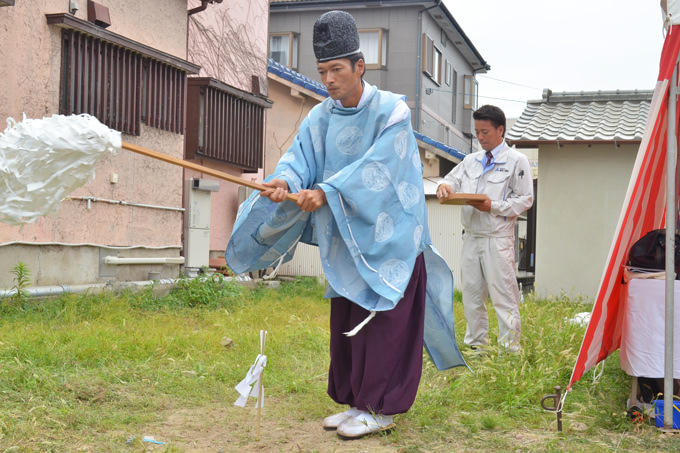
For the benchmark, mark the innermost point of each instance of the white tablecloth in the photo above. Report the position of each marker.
(643, 328)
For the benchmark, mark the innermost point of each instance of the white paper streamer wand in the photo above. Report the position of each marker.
(251, 385)
(42, 161)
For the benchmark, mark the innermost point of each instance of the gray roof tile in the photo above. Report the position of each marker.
(583, 116)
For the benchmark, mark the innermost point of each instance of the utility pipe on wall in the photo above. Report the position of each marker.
(56, 290)
(150, 260)
(124, 203)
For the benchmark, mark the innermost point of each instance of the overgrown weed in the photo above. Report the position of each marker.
(22, 280)
(209, 291)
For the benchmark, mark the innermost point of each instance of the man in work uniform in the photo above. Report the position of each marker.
(488, 255)
(356, 171)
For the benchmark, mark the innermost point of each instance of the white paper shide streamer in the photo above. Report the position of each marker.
(43, 160)
(251, 385)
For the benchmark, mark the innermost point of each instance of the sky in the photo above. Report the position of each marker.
(563, 45)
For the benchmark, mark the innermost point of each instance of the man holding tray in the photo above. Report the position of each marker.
(488, 256)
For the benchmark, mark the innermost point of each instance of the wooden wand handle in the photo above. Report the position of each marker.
(200, 168)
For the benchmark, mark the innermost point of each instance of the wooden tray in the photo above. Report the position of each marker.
(463, 198)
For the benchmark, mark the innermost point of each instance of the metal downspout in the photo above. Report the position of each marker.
(416, 125)
(204, 5)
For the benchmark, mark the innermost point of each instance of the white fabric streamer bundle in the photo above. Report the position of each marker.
(43, 160)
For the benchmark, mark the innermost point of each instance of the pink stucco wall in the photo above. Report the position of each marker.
(292, 103)
(140, 180)
(30, 48)
(229, 41)
(31, 55)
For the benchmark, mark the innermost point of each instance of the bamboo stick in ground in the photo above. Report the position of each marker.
(260, 399)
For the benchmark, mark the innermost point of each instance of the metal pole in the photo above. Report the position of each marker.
(671, 160)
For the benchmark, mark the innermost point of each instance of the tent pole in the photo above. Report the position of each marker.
(671, 215)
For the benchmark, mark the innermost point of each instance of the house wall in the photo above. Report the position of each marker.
(401, 27)
(581, 192)
(300, 22)
(30, 48)
(229, 41)
(292, 103)
(31, 56)
(402, 72)
(437, 108)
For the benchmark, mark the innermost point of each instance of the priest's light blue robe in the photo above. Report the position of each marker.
(374, 224)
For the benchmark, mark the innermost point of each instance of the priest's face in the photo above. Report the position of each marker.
(342, 81)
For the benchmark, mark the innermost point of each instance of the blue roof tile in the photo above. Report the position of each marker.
(439, 145)
(295, 77)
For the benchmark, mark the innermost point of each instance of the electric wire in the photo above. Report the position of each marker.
(509, 83)
(429, 90)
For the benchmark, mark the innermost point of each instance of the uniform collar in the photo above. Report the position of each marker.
(497, 150)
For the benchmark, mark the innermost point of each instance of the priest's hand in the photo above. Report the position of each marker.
(277, 189)
(311, 200)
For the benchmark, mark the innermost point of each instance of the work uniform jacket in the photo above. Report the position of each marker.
(508, 182)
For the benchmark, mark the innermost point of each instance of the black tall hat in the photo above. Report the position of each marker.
(335, 36)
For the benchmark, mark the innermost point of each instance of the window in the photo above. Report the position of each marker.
(164, 93)
(431, 60)
(374, 48)
(225, 124)
(437, 75)
(470, 93)
(120, 86)
(449, 70)
(427, 55)
(283, 48)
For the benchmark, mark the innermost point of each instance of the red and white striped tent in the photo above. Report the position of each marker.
(644, 207)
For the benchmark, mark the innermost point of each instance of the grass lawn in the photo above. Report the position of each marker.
(100, 372)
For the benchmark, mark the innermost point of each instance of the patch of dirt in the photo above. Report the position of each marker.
(235, 429)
